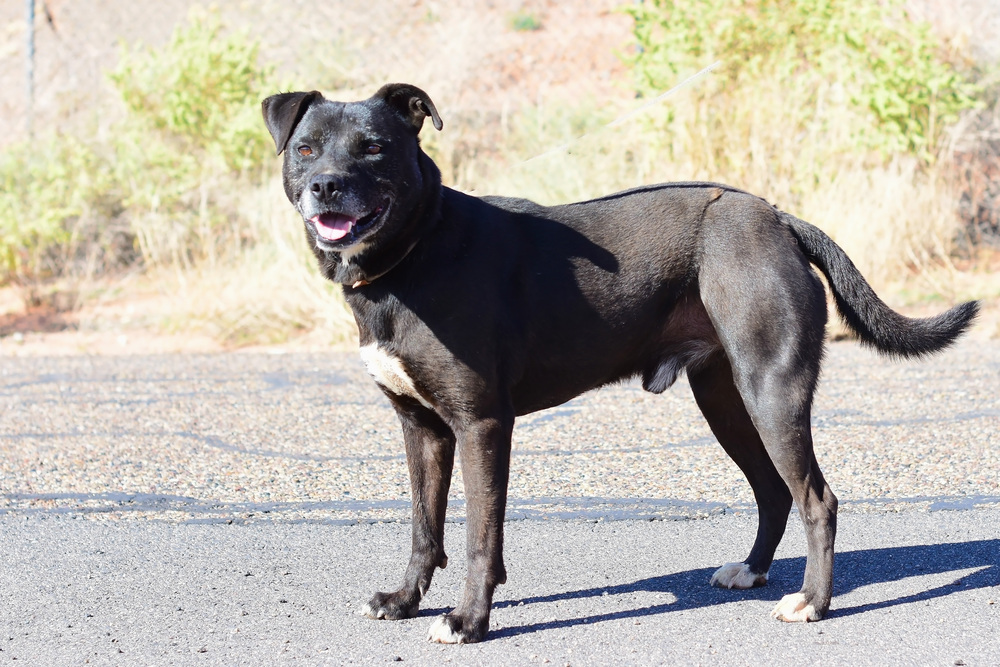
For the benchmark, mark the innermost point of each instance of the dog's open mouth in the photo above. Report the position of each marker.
(336, 227)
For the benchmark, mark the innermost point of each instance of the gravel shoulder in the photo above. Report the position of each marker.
(244, 437)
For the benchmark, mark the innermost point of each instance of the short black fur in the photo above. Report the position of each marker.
(472, 311)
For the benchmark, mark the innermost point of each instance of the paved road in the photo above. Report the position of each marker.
(237, 509)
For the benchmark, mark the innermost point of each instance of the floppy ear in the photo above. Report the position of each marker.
(282, 112)
(412, 102)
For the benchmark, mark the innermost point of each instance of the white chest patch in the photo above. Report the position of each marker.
(389, 372)
(348, 254)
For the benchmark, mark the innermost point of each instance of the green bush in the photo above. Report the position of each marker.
(46, 186)
(202, 92)
(864, 56)
(192, 133)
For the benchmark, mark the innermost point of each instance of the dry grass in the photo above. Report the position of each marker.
(892, 217)
(507, 97)
(269, 291)
(895, 220)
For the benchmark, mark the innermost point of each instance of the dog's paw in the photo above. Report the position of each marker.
(794, 608)
(737, 575)
(450, 629)
(390, 606)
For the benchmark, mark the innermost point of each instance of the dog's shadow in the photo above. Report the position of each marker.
(853, 569)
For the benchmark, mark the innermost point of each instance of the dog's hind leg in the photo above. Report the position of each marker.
(784, 428)
(768, 309)
(775, 370)
(776, 382)
(430, 456)
(722, 405)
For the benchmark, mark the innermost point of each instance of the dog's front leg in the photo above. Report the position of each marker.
(430, 456)
(484, 448)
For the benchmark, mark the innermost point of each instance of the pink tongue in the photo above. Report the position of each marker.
(333, 226)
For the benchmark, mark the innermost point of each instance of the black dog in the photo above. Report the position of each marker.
(474, 311)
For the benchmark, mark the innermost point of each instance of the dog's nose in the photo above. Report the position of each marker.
(324, 186)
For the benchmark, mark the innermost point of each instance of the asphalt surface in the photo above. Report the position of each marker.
(239, 509)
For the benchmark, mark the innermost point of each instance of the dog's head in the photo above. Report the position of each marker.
(354, 171)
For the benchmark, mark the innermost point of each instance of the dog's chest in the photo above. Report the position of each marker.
(390, 373)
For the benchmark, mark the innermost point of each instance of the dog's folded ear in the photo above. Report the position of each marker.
(412, 102)
(282, 112)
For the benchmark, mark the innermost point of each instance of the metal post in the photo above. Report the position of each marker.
(29, 65)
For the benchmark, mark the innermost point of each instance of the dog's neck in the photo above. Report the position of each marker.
(365, 267)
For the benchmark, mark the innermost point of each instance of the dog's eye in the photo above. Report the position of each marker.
(373, 149)
(305, 150)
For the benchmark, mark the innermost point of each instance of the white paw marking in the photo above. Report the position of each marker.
(370, 613)
(737, 575)
(389, 372)
(793, 609)
(442, 633)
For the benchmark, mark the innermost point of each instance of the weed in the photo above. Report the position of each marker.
(524, 22)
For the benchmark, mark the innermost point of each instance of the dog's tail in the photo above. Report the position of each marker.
(876, 324)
